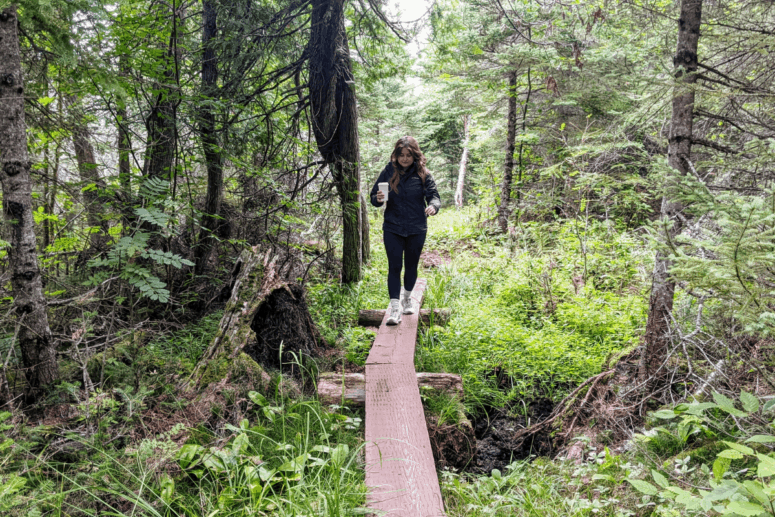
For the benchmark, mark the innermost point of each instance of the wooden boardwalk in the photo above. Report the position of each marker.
(400, 472)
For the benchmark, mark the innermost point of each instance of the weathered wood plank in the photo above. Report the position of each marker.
(334, 388)
(374, 317)
(400, 471)
(395, 344)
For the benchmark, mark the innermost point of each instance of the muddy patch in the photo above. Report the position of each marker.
(453, 445)
(433, 258)
(497, 445)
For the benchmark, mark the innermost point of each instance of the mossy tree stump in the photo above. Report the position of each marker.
(265, 311)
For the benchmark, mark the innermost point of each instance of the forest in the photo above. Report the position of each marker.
(188, 250)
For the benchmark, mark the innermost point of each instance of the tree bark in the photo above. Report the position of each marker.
(249, 288)
(508, 169)
(50, 188)
(209, 137)
(335, 121)
(124, 145)
(93, 185)
(520, 154)
(461, 174)
(657, 335)
(265, 323)
(35, 340)
(161, 123)
(365, 230)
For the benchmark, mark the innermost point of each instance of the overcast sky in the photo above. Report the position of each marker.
(411, 10)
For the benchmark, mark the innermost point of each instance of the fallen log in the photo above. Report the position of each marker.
(373, 317)
(332, 385)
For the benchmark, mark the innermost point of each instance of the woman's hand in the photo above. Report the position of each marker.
(380, 196)
(430, 210)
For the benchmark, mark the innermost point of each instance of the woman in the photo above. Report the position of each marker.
(412, 197)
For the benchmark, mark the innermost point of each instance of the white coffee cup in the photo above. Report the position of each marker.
(384, 187)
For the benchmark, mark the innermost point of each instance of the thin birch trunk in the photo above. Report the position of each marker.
(124, 152)
(461, 173)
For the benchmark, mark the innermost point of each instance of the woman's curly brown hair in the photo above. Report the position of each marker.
(407, 142)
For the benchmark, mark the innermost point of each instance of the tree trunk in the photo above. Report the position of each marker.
(35, 340)
(520, 162)
(210, 144)
(335, 121)
(266, 317)
(657, 336)
(508, 169)
(234, 332)
(93, 185)
(124, 145)
(50, 189)
(461, 174)
(365, 229)
(161, 124)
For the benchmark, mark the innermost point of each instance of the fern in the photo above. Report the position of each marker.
(154, 189)
(153, 216)
(138, 275)
(167, 258)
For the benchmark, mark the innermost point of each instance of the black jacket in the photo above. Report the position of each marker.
(405, 211)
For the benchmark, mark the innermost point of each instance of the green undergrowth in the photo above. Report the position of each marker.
(137, 446)
(533, 313)
(709, 457)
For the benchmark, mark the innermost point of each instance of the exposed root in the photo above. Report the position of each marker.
(564, 406)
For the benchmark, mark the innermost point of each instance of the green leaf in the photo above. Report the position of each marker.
(724, 491)
(731, 454)
(745, 508)
(659, 479)
(340, 453)
(720, 466)
(726, 404)
(755, 489)
(189, 455)
(257, 399)
(761, 438)
(740, 448)
(749, 401)
(665, 414)
(644, 487)
(766, 466)
(685, 498)
(700, 407)
(265, 474)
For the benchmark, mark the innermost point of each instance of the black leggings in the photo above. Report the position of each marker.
(397, 248)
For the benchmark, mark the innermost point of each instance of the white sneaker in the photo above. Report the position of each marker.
(394, 312)
(408, 303)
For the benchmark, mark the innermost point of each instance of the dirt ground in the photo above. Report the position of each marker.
(496, 446)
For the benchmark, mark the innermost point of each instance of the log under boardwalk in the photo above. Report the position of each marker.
(400, 471)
